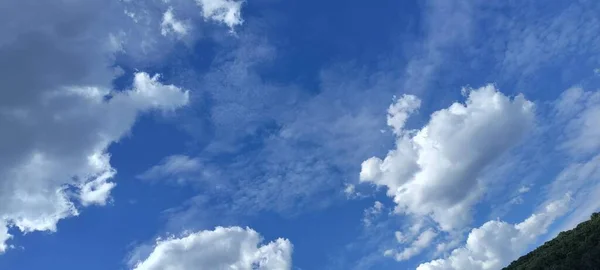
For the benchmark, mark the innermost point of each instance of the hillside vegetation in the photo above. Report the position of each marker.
(578, 248)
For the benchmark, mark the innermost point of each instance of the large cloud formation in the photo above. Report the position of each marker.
(435, 171)
(221, 248)
(57, 111)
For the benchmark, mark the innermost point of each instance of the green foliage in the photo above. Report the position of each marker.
(575, 249)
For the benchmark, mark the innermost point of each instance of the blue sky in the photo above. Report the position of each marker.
(270, 134)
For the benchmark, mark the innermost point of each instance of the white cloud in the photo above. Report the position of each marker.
(222, 248)
(416, 247)
(350, 191)
(497, 243)
(227, 12)
(524, 189)
(170, 24)
(371, 213)
(436, 171)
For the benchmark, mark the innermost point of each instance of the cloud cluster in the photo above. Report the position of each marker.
(221, 248)
(58, 112)
(541, 52)
(497, 243)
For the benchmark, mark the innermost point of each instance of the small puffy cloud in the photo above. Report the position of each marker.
(524, 189)
(350, 191)
(497, 243)
(371, 213)
(221, 248)
(170, 24)
(227, 12)
(435, 171)
(399, 112)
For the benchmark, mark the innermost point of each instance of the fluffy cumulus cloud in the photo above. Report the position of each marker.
(496, 243)
(58, 112)
(436, 171)
(227, 12)
(221, 248)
